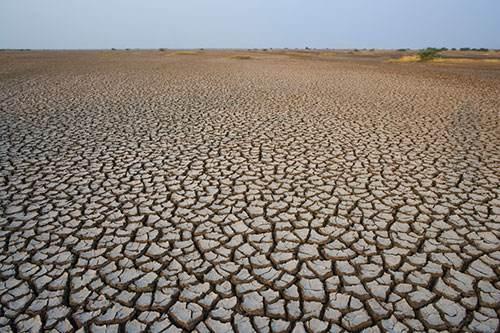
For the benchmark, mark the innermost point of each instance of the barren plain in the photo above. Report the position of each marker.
(247, 191)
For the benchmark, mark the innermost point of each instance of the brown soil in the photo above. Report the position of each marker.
(248, 191)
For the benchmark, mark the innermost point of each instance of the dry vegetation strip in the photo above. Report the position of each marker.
(241, 57)
(417, 58)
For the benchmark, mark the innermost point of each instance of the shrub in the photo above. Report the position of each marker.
(428, 54)
(162, 50)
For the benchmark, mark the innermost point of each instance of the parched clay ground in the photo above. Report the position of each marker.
(152, 191)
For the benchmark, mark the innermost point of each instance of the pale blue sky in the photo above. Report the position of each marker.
(89, 24)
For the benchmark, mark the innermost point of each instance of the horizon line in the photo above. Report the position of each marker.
(252, 48)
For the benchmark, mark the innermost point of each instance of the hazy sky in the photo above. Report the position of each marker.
(247, 24)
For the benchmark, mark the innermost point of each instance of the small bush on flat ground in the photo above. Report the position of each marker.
(428, 54)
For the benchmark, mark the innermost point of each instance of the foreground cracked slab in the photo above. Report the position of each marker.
(145, 191)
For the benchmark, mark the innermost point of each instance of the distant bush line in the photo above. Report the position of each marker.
(482, 49)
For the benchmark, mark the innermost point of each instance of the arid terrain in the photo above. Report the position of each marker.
(219, 191)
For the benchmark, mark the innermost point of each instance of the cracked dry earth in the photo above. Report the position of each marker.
(146, 191)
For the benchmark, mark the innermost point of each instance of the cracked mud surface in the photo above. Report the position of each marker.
(152, 192)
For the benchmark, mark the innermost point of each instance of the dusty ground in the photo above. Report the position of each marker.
(171, 192)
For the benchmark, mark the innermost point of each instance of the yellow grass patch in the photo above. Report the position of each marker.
(410, 58)
(465, 61)
(186, 53)
(328, 54)
(241, 57)
(416, 58)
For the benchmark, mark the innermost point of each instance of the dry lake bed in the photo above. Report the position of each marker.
(218, 191)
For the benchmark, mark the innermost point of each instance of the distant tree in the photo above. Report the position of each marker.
(465, 49)
(432, 49)
(402, 50)
(161, 50)
(453, 48)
